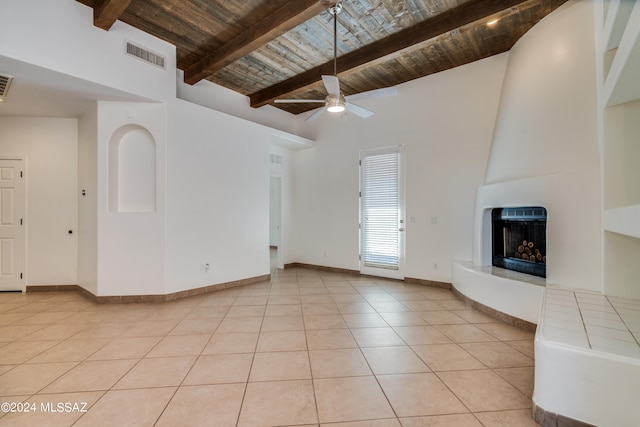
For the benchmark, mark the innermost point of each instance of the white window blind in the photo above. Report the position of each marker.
(380, 204)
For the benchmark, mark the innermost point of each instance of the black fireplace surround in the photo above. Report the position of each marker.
(520, 239)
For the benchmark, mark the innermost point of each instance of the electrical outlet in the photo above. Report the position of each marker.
(435, 266)
(207, 266)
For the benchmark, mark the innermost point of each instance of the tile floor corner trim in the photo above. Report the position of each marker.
(148, 298)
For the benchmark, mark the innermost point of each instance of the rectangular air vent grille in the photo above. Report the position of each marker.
(5, 83)
(276, 159)
(145, 54)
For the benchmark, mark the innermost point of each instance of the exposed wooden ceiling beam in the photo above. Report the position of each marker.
(388, 47)
(292, 14)
(107, 12)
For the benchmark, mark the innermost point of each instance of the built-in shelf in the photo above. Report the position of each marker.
(587, 343)
(621, 268)
(615, 22)
(621, 151)
(625, 221)
(619, 62)
(621, 84)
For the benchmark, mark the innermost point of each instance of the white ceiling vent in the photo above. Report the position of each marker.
(5, 83)
(144, 54)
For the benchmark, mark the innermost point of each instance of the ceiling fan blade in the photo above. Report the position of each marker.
(332, 84)
(376, 93)
(358, 110)
(315, 114)
(297, 101)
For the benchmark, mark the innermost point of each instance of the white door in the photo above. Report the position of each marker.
(11, 224)
(382, 226)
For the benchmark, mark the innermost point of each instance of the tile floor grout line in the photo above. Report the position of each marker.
(624, 322)
(253, 358)
(313, 383)
(584, 325)
(361, 289)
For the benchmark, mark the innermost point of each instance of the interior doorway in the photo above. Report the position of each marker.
(275, 222)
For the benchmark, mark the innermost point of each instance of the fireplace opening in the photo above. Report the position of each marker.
(520, 239)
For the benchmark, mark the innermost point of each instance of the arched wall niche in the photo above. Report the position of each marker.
(132, 170)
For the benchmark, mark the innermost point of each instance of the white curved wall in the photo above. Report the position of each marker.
(546, 121)
(544, 150)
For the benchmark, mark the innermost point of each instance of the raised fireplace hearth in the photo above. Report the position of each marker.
(519, 239)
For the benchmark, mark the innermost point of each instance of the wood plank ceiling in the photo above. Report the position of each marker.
(270, 49)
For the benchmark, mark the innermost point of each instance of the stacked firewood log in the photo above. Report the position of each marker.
(528, 252)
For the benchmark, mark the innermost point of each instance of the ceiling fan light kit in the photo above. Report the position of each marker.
(336, 104)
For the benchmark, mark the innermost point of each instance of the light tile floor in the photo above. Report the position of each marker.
(308, 348)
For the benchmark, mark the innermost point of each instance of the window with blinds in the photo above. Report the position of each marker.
(380, 201)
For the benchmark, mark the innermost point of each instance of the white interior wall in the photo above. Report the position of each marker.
(216, 97)
(50, 149)
(74, 46)
(445, 121)
(547, 118)
(217, 198)
(130, 244)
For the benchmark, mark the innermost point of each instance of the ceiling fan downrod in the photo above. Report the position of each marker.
(335, 10)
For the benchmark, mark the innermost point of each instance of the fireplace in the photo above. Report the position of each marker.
(519, 239)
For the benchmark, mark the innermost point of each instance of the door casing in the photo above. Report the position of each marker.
(12, 223)
(398, 273)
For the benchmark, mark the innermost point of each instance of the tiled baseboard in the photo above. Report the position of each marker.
(550, 419)
(322, 268)
(503, 317)
(149, 298)
(432, 283)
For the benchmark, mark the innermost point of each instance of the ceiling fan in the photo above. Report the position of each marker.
(336, 102)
